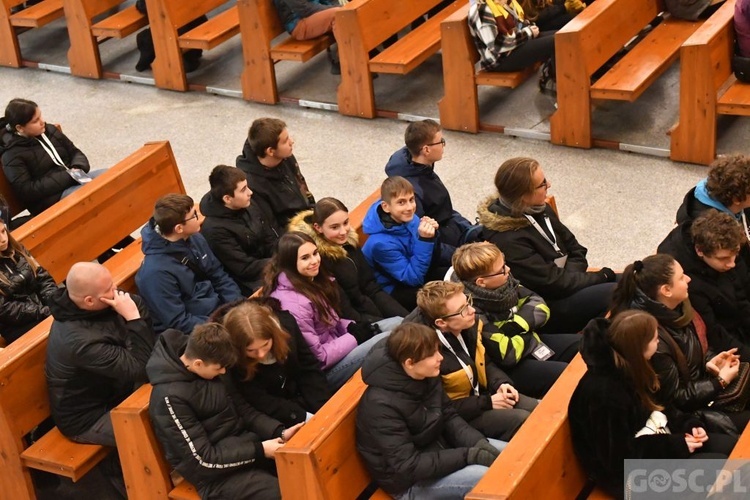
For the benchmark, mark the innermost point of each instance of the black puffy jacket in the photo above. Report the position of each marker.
(207, 430)
(95, 359)
(605, 413)
(694, 388)
(283, 188)
(23, 296)
(407, 429)
(243, 240)
(35, 178)
(531, 257)
(286, 391)
(720, 298)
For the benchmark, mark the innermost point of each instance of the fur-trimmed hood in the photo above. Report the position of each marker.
(303, 222)
(497, 217)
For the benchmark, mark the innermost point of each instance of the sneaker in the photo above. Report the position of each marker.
(546, 81)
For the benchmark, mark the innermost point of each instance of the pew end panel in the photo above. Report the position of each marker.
(357, 216)
(33, 16)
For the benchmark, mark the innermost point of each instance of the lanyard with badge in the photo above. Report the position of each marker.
(562, 258)
(467, 368)
(76, 173)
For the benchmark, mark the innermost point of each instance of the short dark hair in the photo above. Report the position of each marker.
(412, 341)
(170, 210)
(211, 343)
(713, 231)
(729, 179)
(224, 179)
(264, 133)
(419, 134)
(393, 187)
(19, 112)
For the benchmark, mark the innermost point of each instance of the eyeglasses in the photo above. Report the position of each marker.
(441, 141)
(194, 216)
(544, 184)
(461, 312)
(502, 272)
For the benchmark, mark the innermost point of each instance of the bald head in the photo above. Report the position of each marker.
(87, 282)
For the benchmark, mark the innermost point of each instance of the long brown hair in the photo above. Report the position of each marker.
(250, 321)
(321, 290)
(14, 252)
(629, 335)
(513, 181)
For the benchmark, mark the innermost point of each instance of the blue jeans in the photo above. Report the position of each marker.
(72, 189)
(454, 486)
(342, 371)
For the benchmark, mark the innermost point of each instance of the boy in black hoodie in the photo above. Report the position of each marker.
(210, 435)
(273, 171)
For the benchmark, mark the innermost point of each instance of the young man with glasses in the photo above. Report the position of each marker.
(415, 162)
(482, 393)
(180, 279)
(512, 314)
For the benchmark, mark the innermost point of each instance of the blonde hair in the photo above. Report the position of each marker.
(432, 297)
(475, 259)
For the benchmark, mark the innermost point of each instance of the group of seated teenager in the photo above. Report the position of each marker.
(492, 309)
(660, 366)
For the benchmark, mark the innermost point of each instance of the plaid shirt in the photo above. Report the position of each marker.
(485, 30)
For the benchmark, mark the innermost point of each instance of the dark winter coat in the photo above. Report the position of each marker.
(395, 251)
(286, 391)
(719, 297)
(282, 188)
(407, 429)
(432, 197)
(531, 257)
(686, 9)
(95, 359)
(243, 240)
(178, 297)
(206, 429)
(36, 180)
(690, 391)
(24, 298)
(605, 413)
(363, 298)
(454, 378)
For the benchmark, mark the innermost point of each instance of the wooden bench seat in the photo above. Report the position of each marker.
(539, 461)
(213, 32)
(459, 107)
(38, 15)
(708, 88)
(11, 25)
(362, 25)
(123, 23)
(86, 35)
(166, 17)
(260, 26)
(414, 48)
(587, 42)
(57, 454)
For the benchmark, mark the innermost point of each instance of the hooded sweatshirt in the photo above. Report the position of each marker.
(396, 251)
(243, 240)
(94, 360)
(282, 188)
(407, 429)
(177, 296)
(206, 429)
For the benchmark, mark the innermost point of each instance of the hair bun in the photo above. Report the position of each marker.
(637, 266)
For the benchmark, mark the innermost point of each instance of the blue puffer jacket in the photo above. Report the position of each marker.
(395, 251)
(176, 297)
